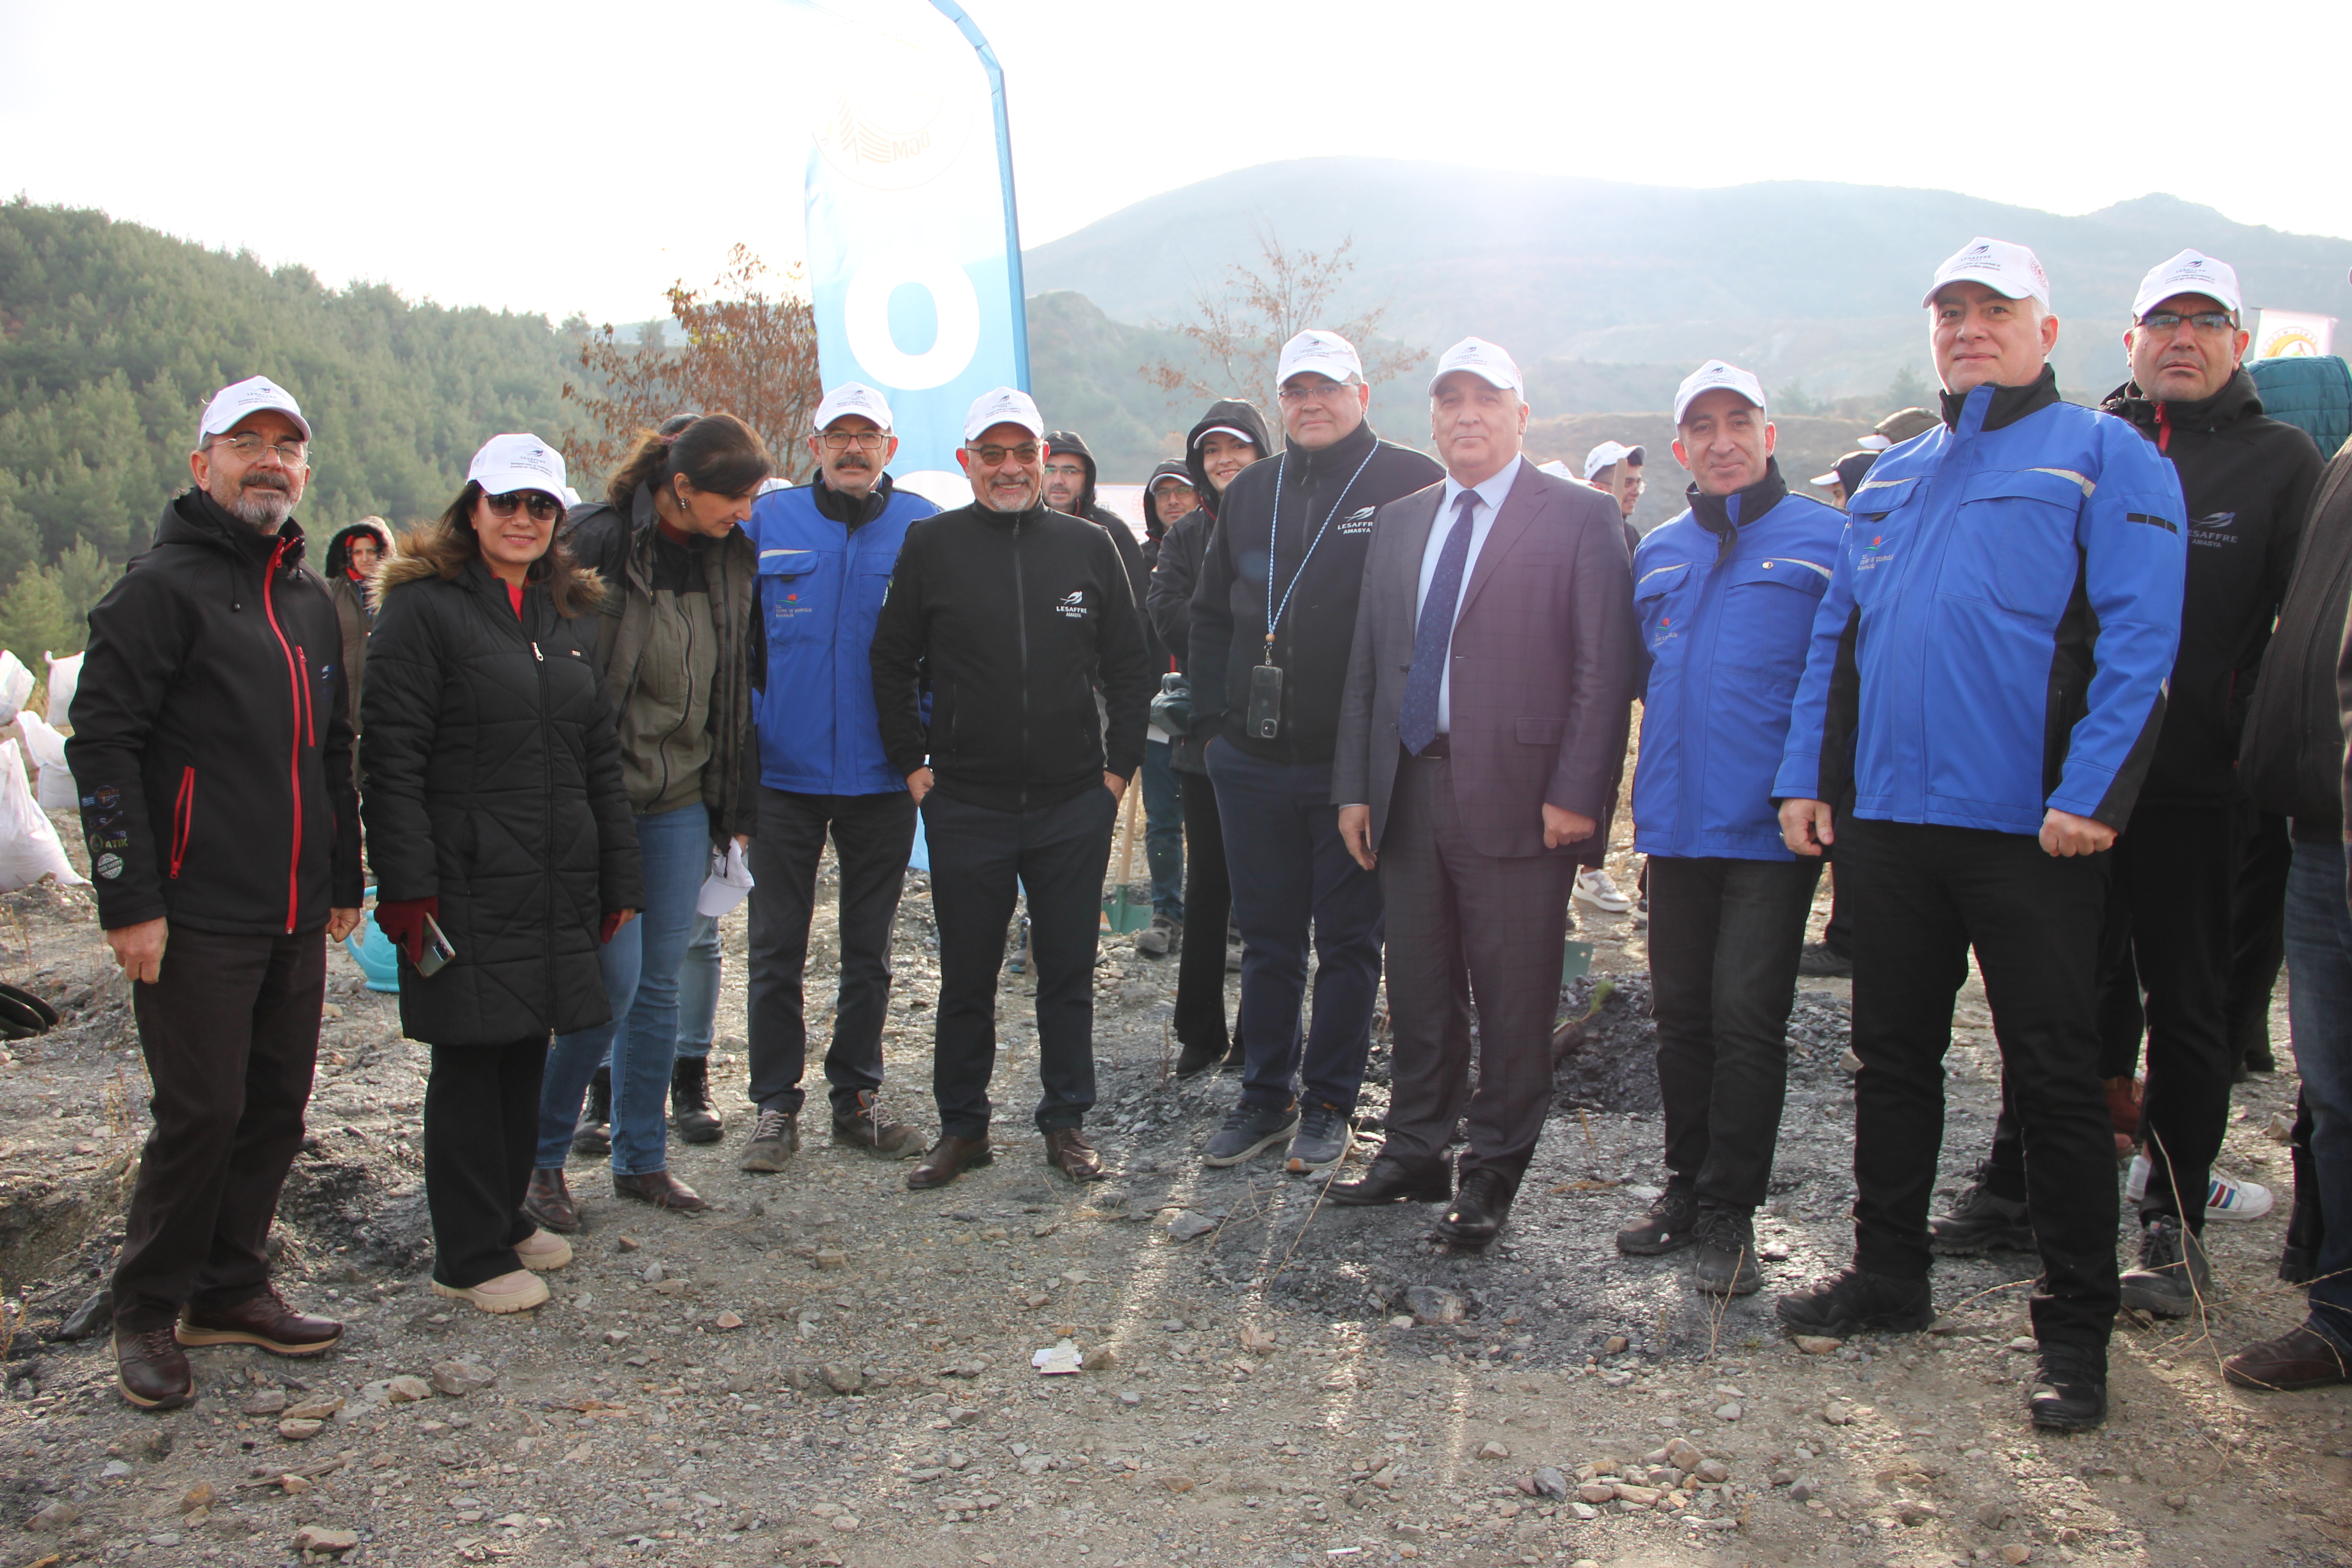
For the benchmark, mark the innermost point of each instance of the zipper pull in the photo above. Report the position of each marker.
(536, 654)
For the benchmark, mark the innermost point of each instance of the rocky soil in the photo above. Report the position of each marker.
(830, 1369)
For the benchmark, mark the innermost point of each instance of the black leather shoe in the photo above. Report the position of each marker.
(1394, 1179)
(1478, 1210)
(1671, 1225)
(2069, 1391)
(1197, 1058)
(950, 1157)
(1846, 1303)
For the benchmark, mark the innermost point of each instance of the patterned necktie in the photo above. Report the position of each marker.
(1417, 719)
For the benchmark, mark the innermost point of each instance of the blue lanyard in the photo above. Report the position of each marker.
(1274, 611)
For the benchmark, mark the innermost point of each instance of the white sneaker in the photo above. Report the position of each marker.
(2224, 1199)
(1596, 891)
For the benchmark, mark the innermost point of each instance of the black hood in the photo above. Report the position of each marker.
(1724, 516)
(1231, 413)
(338, 554)
(1172, 468)
(1071, 441)
(2238, 399)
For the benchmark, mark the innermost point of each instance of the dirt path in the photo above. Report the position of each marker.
(1284, 1388)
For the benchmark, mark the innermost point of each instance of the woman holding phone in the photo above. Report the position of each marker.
(503, 845)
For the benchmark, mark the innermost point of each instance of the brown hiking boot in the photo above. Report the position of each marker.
(866, 1128)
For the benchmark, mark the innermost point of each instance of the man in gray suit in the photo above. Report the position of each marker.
(1481, 732)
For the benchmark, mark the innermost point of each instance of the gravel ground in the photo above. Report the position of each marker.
(829, 1369)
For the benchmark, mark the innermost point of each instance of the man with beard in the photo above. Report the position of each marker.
(1017, 614)
(213, 750)
(825, 552)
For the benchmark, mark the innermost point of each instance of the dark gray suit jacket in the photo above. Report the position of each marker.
(1544, 653)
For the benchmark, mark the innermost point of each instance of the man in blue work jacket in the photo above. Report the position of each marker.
(1725, 594)
(825, 552)
(1980, 704)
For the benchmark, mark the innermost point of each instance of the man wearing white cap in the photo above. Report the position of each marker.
(2247, 481)
(1615, 469)
(825, 552)
(1979, 707)
(212, 747)
(1015, 613)
(1481, 735)
(1274, 618)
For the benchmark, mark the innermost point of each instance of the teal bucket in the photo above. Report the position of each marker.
(375, 953)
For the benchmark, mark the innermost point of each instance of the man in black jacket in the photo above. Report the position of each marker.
(1274, 619)
(2248, 481)
(213, 750)
(1017, 612)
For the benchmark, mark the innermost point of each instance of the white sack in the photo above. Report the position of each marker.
(29, 849)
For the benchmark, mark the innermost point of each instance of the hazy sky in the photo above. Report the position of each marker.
(581, 156)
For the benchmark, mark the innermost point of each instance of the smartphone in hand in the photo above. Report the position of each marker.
(437, 950)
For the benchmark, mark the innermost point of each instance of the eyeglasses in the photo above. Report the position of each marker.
(543, 507)
(994, 456)
(2210, 322)
(249, 445)
(865, 440)
(1313, 391)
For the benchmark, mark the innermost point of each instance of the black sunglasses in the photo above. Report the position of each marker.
(543, 507)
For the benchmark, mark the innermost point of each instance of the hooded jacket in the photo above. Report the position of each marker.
(1015, 617)
(1179, 565)
(1131, 552)
(352, 608)
(211, 739)
(1725, 595)
(494, 785)
(1155, 530)
(1303, 518)
(2247, 481)
(2293, 758)
(620, 551)
(2012, 582)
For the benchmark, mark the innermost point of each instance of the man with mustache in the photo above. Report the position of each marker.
(213, 748)
(825, 552)
(1017, 612)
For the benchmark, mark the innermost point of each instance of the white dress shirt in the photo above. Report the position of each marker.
(1490, 493)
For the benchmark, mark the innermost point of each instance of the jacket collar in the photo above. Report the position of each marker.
(195, 518)
(1724, 516)
(852, 515)
(1346, 452)
(2003, 406)
(2238, 399)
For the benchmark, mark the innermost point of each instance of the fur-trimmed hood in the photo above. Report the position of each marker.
(431, 550)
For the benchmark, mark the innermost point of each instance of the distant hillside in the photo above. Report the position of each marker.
(1792, 279)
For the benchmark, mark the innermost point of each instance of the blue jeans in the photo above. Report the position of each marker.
(2320, 1019)
(1163, 832)
(641, 982)
(698, 989)
(1292, 875)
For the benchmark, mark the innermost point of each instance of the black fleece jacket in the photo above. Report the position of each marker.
(1131, 552)
(2248, 481)
(2292, 760)
(212, 744)
(1279, 506)
(1014, 617)
(1178, 567)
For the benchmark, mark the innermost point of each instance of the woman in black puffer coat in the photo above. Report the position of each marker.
(495, 809)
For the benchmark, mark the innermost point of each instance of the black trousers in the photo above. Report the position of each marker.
(2167, 934)
(873, 835)
(1208, 904)
(2257, 931)
(481, 1133)
(980, 858)
(1467, 928)
(230, 1031)
(1725, 939)
(1923, 896)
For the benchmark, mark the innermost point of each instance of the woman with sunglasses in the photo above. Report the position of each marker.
(504, 848)
(678, 646)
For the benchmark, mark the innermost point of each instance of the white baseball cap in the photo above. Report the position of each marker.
(851, 398)
(1608, 454)
(518, 462)
(1322, 352)
(2190, 272)
(1873, 442)
(1003, 405)
(2003, 268)
(233, 403)
(1235, 431)
(1709, 376)
(1481, 358)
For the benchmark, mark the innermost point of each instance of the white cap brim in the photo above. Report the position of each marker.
(1873, 442)
(1826, 479)
(1237, 435)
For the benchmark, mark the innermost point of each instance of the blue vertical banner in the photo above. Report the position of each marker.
(914, 250)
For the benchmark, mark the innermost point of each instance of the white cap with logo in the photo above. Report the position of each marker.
(2003, 268)
(1322, 354)
(1715, 374)
(251, 396)
(518, 462)
(2190, 272)
(1480, 359)
(851, 398)
(1608, 454)
(1002, 405)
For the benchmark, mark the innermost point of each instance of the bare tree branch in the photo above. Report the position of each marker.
(1241, 328)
